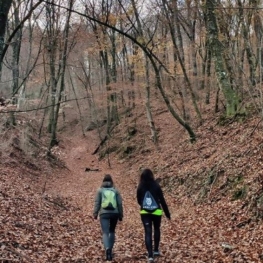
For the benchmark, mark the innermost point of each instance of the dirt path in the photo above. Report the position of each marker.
(51, 232)
(80, 186)
(187, 238)
(75, 182)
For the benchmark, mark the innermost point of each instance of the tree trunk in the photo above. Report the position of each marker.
(4, 10)
(148, 104)
(231, 97)
(61, 76)
(51, 49)
(16, 46)
(179, 55)
(168, 104)
(158, 78)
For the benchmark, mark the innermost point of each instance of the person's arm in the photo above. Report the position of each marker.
(164, 204)
(97, 204)
(119, 204)
(138, 195)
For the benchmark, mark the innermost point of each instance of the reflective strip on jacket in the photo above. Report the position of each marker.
(157, 212)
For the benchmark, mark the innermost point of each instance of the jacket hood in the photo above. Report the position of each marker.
(107, 184)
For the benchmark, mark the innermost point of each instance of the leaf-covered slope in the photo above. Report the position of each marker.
(213, 189)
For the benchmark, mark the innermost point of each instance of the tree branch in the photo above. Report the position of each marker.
(16, 29)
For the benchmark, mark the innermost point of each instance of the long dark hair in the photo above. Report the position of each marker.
(147, 177)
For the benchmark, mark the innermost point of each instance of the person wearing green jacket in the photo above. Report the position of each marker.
(108, 206)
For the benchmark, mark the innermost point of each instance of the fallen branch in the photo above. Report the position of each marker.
(104, 139)
(8, 260)
(101, 143)
(243, 223)
(91, 170)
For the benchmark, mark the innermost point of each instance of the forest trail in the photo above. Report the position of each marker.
(46, 228)
(195, 233)
(80, 186)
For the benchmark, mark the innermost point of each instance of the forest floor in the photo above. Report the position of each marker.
(213, 189)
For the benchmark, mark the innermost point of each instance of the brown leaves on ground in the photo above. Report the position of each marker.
(47, 217)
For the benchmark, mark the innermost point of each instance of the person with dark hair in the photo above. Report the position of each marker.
(152, 204)
(108, 205)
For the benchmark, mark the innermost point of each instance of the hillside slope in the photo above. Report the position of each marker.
(213, 188)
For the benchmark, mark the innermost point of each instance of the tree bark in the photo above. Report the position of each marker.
(231, 97)
(62, 68)
(16, 46)
(4, 10)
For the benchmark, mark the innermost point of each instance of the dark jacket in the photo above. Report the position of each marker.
(98, 210)
(157, 194)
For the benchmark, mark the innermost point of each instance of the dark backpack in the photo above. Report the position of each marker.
(149, 204)
(108, 199)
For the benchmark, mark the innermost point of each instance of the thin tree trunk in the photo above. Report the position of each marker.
(159, 82)
(16, 46)
(180, 57)
(148, 104)
(61, 75)
(77, 102)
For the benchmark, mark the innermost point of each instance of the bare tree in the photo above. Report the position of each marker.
(57, 49)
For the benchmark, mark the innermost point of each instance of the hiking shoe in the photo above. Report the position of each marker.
(108, 254)
(156, 253)
(150, 259)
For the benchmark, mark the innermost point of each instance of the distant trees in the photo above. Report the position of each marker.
(106, 39)
(184, 53)
(57, 48)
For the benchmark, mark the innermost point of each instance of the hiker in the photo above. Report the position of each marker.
(108, 205)
(152, 203)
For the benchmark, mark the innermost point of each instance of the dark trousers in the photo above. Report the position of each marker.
(108, 224)
(151, 221)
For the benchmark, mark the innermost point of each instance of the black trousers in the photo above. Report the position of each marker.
(108, 224)
(150, 223)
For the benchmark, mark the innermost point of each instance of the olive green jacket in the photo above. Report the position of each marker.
(98, 210)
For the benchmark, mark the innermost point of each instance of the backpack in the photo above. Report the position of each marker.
(149, 204)
(108, 200)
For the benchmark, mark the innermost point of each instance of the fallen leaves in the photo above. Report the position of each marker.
(206, 224)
